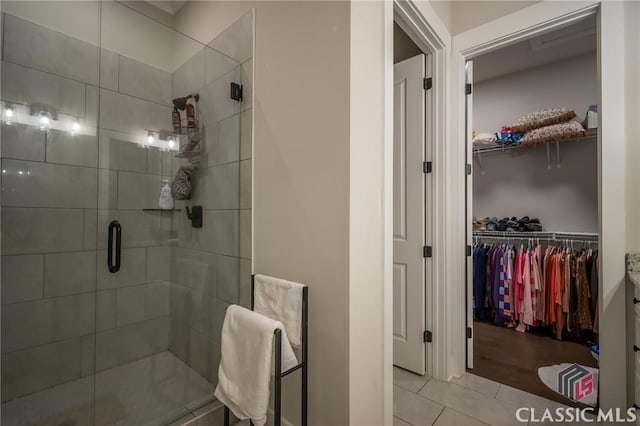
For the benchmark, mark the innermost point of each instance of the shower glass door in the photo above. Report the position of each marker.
(113, 302)
(49, 197)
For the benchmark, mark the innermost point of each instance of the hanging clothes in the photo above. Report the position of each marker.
(528, 286)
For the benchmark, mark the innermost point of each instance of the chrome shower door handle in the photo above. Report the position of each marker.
(114, 228)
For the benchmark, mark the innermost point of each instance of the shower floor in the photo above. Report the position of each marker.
(150, 391)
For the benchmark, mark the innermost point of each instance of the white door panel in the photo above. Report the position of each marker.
(469, 194)
(409, 215)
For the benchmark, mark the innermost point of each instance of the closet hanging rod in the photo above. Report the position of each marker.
(551, 236)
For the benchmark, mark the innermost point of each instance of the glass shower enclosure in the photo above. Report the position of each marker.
(113, 302)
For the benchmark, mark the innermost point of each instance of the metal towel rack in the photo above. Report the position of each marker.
(279, 374)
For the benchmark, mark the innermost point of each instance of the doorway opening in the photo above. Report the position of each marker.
(532, 212)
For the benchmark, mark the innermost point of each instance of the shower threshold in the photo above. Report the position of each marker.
(150, 391)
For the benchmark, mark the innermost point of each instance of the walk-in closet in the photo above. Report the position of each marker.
(532, 117)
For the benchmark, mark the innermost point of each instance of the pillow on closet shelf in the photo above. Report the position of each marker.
(553, 133)
(546, 117)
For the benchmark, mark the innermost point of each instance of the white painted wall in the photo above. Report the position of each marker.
(302, 175)
(469, 14)
(632, 110)
(518, 183)
(370, 257)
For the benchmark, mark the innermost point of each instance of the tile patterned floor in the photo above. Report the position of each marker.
(469, 400)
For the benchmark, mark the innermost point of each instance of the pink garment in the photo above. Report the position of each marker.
(541, 290)
(517, 286)
(527, 303)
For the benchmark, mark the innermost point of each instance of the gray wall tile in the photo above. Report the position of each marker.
(106, 310)
(189, 77)
(144, 81)
(244, 289)
(246, 183)
(109, 68)
(159, 162)
(247, 85)
(90, 229)
(92, 102)
(34, 323)
(227, 148)
(217, 64)
(119, 345)
(131, 305)
(132, 269)
(228, 278)
(26, 230)
(77, 150)
(219, 308)
(107, 189)
(158, 264)
(196, 270)
(32, 184)
(245, 234)
(246, 135)
(28, 86)
(204, 355)
(219, 186)
(158, 299)
(138, 191)
(22, 278)
(34, 369)
(139, 229)
(219, 232)
(237, 40)
(120, 154)
(131, 115)
(88, 355)
(22, 142)
(44, 49)
(69, 273)
(215, 103)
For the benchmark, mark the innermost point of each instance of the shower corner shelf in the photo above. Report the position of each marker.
(189, 154)
(161, 210)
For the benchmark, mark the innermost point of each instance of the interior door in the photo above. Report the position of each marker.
(469, 203)
(409, 215)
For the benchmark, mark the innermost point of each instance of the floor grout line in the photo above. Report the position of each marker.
(439, 414)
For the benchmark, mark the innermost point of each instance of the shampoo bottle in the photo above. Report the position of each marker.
(166, 201)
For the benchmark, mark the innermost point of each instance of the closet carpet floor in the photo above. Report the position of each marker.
(513, 358)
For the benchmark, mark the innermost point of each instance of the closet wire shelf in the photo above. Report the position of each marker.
(592, 134)
(542, 235)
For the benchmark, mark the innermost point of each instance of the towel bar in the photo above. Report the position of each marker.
(278, 374)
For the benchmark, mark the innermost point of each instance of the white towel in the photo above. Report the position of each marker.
(247, 362)
(280, 300)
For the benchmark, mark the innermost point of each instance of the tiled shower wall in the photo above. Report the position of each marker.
(211, 266)
(64, 315)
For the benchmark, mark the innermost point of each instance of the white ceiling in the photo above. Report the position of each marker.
(577, 39)
(169, 6)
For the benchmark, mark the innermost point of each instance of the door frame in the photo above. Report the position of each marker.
(611, 205)
(424, 27)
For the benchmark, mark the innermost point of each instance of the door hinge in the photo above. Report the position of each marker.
(427, 166)
(427, 336)
(427, 83)
(467, 169)
(469, 332)
(427, 251)
(467, 88)
(468, 250)
(236, 92)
